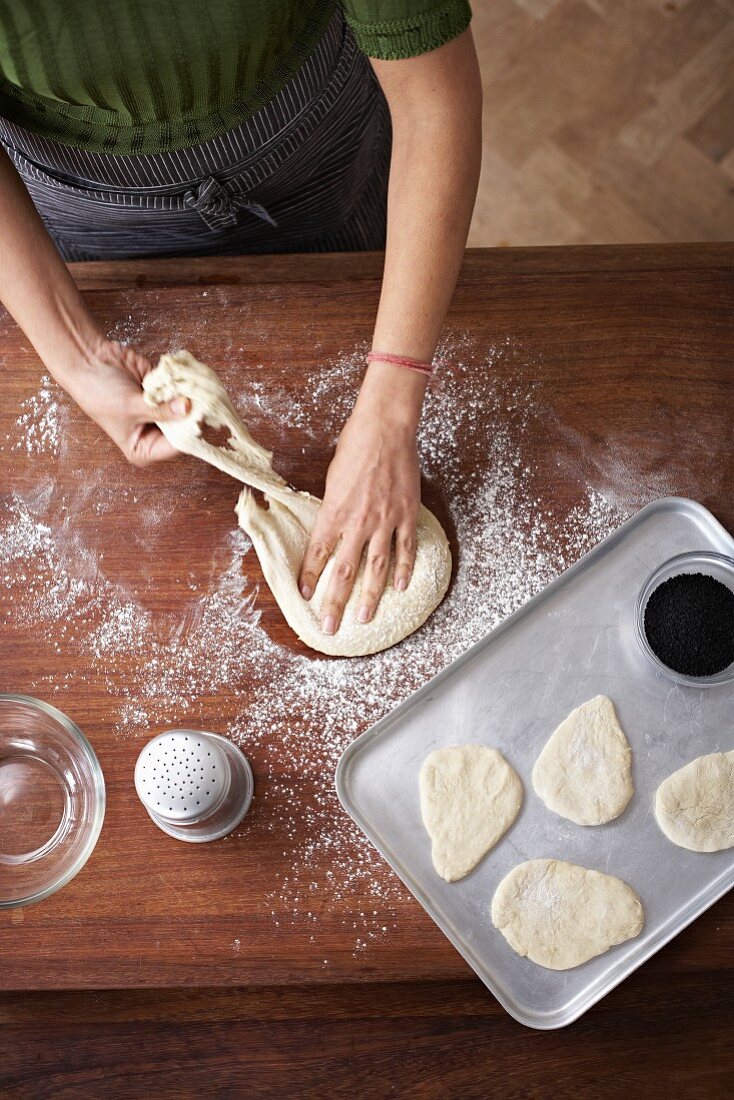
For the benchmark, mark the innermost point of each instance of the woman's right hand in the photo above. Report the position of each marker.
(108, 387)
(102, 376)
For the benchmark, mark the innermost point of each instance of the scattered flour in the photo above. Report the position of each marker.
(295, 714)
(126, 330)
(39, 421)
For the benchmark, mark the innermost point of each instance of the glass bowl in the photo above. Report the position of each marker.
(52, 800)
(714, 565)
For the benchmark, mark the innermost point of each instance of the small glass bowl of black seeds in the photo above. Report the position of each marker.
(685, 618)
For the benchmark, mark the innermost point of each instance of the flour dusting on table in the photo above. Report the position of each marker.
(37, 429)
(300, 712)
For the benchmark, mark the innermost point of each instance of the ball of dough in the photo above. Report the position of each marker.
(695, 805)
(560, 915)
(584, 772)
(470, 797)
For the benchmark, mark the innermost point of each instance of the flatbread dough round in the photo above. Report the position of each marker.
(560, 915)
(695, 805)
(280, 533)
(470, 797)
(584, 772)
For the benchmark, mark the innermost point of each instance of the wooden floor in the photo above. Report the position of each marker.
(605, 121)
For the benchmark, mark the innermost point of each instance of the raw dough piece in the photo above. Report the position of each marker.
(584, 771)
(470, 796)
(280, 533)
(695, 805)
(560, 914)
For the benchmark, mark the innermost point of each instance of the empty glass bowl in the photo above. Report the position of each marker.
(52, 800)
(709, 562)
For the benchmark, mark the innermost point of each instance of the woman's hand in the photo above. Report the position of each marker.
(103, 377)
(108, 387)
(372, 489)
(372, 497)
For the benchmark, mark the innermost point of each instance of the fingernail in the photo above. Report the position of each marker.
(401, 584)
(329, 624)
(179, 406)
(363, 615)
(306, 591)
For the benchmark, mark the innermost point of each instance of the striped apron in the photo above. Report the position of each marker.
(308, 172)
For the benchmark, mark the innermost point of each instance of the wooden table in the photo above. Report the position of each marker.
(209, 986)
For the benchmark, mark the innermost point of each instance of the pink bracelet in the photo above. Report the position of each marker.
(401, 361)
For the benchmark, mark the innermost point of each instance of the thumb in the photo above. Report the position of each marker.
(175, 409)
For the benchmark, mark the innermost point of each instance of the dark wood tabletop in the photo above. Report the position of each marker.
(188, 969)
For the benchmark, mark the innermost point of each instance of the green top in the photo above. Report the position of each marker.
(146, 76)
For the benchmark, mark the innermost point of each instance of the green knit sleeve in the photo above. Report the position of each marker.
(392, 29)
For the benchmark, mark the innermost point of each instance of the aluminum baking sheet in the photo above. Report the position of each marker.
(572, 641)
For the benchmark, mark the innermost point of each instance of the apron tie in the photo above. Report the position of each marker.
(218, 208)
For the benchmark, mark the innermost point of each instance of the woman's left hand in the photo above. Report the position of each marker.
(372, 497)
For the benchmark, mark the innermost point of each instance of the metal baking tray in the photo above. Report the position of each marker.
(574, 640)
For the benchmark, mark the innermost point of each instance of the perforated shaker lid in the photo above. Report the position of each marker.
(181, 776)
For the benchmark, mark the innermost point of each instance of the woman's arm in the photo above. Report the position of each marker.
(39, 293)
(373, 484)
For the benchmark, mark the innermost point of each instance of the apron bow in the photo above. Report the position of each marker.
(217, 207)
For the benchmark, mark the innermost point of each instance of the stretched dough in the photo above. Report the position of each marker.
(584, 771)
(280, 532)
(560, 915)
(470, 797)
(695, 805)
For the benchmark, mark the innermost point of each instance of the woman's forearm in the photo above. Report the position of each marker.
(102, 376)
(435, 102)
(35, 285)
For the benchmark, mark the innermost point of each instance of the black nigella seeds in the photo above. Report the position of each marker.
(689, 624)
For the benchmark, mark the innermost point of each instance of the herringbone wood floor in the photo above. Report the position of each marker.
(605, 121)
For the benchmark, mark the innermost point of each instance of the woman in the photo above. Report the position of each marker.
(182, 128)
